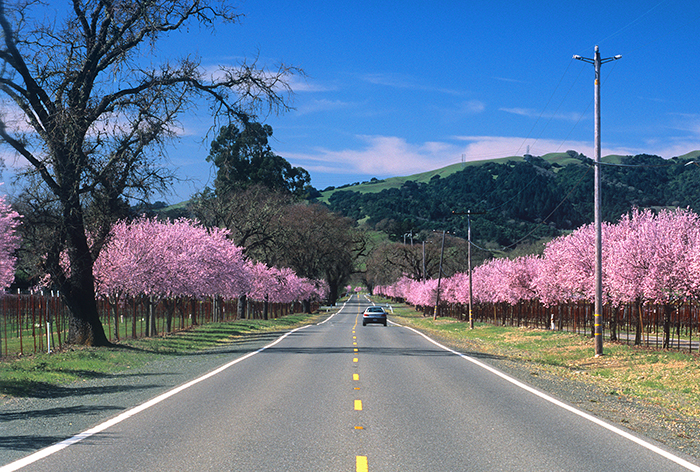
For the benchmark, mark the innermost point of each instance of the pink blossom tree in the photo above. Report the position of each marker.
(649, 258)
(9, 242)
(567, 273)
(165, 260)
(275, 285)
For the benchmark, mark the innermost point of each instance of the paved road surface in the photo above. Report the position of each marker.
(342, 397)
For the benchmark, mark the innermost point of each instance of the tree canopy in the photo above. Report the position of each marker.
(244, 157)
(89, 113)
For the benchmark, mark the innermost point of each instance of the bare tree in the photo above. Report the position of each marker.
(389, 261)
(320, 244)
(253, 215)
(94, 116)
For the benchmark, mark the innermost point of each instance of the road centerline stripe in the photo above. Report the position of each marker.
(361, 464)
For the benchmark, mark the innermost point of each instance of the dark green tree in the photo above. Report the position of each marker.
(243, 157)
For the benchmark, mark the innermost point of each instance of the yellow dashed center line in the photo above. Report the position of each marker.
(361, 464)
(360, 461)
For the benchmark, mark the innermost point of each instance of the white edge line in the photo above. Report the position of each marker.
(576, 411)
(42, 453)
(322, 322)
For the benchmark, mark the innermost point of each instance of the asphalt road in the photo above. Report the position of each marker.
(342, 397)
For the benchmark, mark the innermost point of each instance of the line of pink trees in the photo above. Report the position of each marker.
(648, 257)
(167, 260)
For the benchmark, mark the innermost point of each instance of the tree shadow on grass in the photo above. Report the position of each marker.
(33, 389)
(177, 346)
(58, 412)
(28, 442)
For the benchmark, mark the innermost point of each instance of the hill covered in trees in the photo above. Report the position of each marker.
(521, 198)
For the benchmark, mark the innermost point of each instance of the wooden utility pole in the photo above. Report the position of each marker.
(469, 257)
(598, 312)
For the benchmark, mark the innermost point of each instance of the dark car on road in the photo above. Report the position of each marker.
(374, 314)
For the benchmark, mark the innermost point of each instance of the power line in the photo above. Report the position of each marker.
(545, 108)
(632, 22)
(583, 175)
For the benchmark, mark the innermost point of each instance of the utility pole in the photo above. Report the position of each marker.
(469, 257)
(598, 309)
(437, 295)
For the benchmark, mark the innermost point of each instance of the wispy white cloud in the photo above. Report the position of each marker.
(458, 111)
(493, 147)
(379, 155)
(671, 147)
(301, 84)
(386, 156)
(321, 105)
(472, 106)
(406, 82)
(685, 138)
(530, 113)
(516, 81)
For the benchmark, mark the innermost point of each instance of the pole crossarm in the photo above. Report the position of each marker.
(593, 61)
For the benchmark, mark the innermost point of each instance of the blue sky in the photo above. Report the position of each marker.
(399, 87)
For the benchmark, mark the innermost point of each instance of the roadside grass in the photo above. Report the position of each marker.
(38, 374)
(670, 379)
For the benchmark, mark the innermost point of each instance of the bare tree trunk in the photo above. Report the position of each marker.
(115, 311)
(242, 302)
(151, 326)
(78, 290)
(667, 326)
(169, 311)
(637, 309)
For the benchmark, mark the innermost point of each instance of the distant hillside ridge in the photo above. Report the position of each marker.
(559, 158)
(377, 185)
(522, 197)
